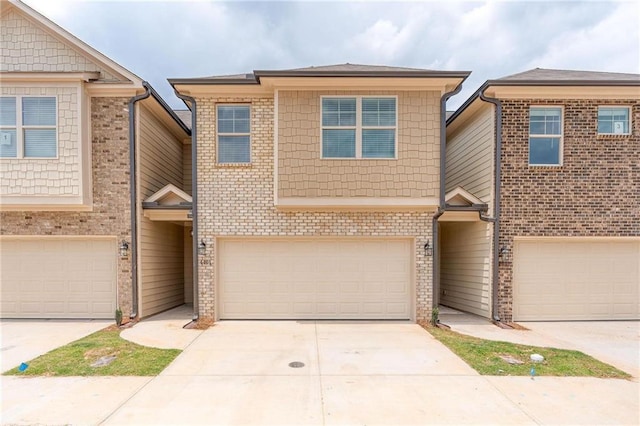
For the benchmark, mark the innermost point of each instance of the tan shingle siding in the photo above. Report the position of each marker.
(302, 173)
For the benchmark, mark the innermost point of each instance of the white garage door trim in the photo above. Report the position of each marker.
(72, 277)
(317, 301)
(581, 278)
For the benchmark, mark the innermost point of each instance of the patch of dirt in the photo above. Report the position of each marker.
(202, 324)
(96, 353)
(517, 326)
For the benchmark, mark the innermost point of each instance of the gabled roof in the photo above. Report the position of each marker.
(170, 195)
(461, 197)
(72, 41)
(554, 78)
(338, 70)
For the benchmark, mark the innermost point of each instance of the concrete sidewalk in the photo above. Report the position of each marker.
(238, 372)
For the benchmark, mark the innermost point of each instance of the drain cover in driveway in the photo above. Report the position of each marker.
(296, 364)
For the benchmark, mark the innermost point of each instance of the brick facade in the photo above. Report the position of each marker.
(594, 193)
(238, 200)
(111, 209)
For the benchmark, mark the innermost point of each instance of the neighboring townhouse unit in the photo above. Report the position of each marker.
(565, 191)
(316, 190)
(71, 245)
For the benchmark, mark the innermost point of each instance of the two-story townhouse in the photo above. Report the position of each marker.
(316, 191)
(555, 156)
(75, 239)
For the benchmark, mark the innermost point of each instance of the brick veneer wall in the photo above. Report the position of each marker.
(595, 193)
(238, 200)
(111, 210)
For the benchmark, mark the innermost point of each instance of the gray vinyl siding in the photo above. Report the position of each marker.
(469, 155)
(465, 266)
(162, 243)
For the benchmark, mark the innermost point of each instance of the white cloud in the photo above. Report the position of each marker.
(613, 44)
(157, 40)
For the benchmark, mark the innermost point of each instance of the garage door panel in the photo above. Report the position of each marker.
(58, 278)
(575, 279)
(333, 279)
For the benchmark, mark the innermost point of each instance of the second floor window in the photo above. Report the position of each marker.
(234, 134)
(28, 127)
(359, 127)
(613, 120)
(545, 136)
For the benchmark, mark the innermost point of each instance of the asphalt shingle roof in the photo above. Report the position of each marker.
(542, 74)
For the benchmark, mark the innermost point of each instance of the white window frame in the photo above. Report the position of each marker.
(560, 136)
(218, 134)
(627, 107)
(359, 127)
(19, 128)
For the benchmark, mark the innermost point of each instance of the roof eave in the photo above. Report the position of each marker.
(207, 81)
(538, 83)
(401, 74)
(578, 83)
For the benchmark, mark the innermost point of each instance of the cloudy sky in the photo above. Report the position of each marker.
(161, 39)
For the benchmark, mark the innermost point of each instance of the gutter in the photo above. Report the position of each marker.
(496, 210)
(133, 173)
(441, 206)
(191, 103)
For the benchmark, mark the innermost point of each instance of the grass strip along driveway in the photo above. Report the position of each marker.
(76, 358)
(484, 356)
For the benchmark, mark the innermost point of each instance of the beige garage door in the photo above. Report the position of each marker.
(568, 279)
(315, 279)
(58, 278)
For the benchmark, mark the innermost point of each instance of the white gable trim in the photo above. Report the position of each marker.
(169, 190)
(462, 194)
(76, 44)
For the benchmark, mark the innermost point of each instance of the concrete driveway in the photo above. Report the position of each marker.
(360, 373)
(23, 340)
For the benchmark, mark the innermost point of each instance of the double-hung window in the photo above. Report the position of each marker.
(359, 127)
(613, 120)
(545, 136)
(234, 134)
(28, 127)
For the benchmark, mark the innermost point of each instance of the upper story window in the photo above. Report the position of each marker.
(613, 120)
(359, 127)
(234, 134)
(28, 127)
(545, 136)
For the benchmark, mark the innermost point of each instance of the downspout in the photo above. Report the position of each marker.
(194, 198)
(133, 173)
(496, 210)
(441, 205)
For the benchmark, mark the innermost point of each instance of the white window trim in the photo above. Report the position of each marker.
(19, 128)
(359, 127)
(627, 107)
(218, 134)
(561, 136)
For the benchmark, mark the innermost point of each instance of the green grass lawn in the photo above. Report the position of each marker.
(75, 359)
(484, 356)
